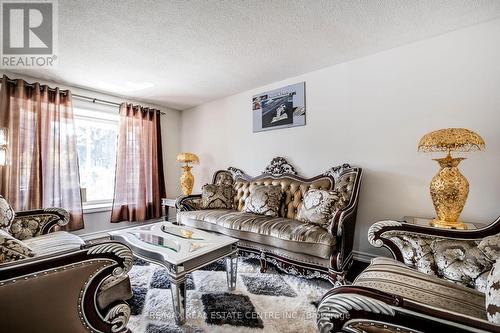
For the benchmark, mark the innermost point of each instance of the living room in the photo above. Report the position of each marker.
(211, 166)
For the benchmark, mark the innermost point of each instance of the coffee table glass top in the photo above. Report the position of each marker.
(176, 244)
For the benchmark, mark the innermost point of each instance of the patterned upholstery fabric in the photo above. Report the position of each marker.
(393, 277)
(12, 249)
(264, 200)
(318, 206)
(54, 242)
(216, 196)
(6, 213)
(293, 192)
(223, 178)
(24, 227)
(288, 234)
(466, 262)
(493, 294)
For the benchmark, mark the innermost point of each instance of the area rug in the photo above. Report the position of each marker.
(269, 302)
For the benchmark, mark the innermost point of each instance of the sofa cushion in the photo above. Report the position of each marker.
(216, 196)
(264, 200)
(493, 294)
(318, 207)
(293, 191)
(12, 249)
(6, 214)
(291, 235)
(394, 277)
(54, 242)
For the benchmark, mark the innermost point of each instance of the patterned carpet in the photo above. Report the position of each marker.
(270, 302)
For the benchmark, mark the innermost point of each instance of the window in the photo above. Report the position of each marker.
(96, 134)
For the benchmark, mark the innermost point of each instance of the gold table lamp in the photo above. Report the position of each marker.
(187, 178)
(449, 188)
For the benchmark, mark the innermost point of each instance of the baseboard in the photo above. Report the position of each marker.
(363, 256)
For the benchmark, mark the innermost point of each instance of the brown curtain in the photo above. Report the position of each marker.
(139, 182)
(43, 162)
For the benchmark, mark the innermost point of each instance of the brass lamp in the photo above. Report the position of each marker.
(187, 178)
(4, 141)
(449, 188)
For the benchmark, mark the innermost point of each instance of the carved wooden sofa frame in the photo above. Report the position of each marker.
(79, 290)
(361, 309)
(342, 224)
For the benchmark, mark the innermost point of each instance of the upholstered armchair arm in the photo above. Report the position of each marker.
(360, 309)
(87, 287)
(32, 223)
(462, 256)
(188, 202)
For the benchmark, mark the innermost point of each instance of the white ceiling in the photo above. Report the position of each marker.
(183, 53)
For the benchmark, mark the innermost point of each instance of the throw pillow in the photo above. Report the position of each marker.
(6, 214)
(12, 249)
(318, 207)
(493, 294)
(216, 196)
(264, 200)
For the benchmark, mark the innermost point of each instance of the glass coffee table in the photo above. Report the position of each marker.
(180, 250)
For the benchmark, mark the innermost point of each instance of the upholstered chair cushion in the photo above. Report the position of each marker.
(12, 249)
(216, 196)
(493, 294)
(264, 200)
(318, 206)
(6, 214)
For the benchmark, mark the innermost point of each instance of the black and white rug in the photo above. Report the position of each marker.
(270, 302)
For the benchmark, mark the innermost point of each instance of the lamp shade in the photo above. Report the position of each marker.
(188, 158)
(451, 139)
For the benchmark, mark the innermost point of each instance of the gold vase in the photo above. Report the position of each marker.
(187, 180)
(449, 191)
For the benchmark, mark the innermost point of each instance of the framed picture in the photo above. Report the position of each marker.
(279, 108)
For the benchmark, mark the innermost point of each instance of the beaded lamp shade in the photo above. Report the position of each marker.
(451, 139)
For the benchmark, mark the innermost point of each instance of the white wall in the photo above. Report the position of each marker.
(170, 127)
(371, 112)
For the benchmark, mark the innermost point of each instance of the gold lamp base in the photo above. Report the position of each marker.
(187, 180)
(448, 225)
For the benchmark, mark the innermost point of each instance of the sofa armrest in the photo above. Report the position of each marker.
(394, 235)
(32, 223)
(188, 202)
(74, 280)
(353, 309)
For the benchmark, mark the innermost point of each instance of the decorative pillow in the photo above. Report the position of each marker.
(264, 200)
(318, 206)
(6, 213)
(12, 249)
(493, 294)
(216, 196)
(490, 246)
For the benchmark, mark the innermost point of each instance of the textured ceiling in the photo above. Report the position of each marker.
(183, 53)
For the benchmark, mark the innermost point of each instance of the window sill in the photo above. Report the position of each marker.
(97, 208)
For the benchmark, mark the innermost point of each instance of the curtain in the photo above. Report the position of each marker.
(139, 179)
(42, 168)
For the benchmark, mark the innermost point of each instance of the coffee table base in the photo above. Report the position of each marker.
(178, 286)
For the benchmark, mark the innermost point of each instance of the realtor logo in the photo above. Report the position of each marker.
(28, 34)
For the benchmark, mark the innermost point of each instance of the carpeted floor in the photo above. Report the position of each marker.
(270, 302)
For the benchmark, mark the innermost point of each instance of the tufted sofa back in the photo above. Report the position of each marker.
(293, 187)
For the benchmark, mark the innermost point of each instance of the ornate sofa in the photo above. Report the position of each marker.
(293, 246)
(66, 285)
(437, 283)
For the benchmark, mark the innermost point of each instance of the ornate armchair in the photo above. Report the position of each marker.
(437, 282)
(54, 282)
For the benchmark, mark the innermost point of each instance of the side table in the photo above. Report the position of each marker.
(426, 222)
(168, 203)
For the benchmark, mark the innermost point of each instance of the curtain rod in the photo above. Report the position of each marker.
(82, 97)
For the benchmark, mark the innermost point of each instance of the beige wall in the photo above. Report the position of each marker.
(371, 112)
